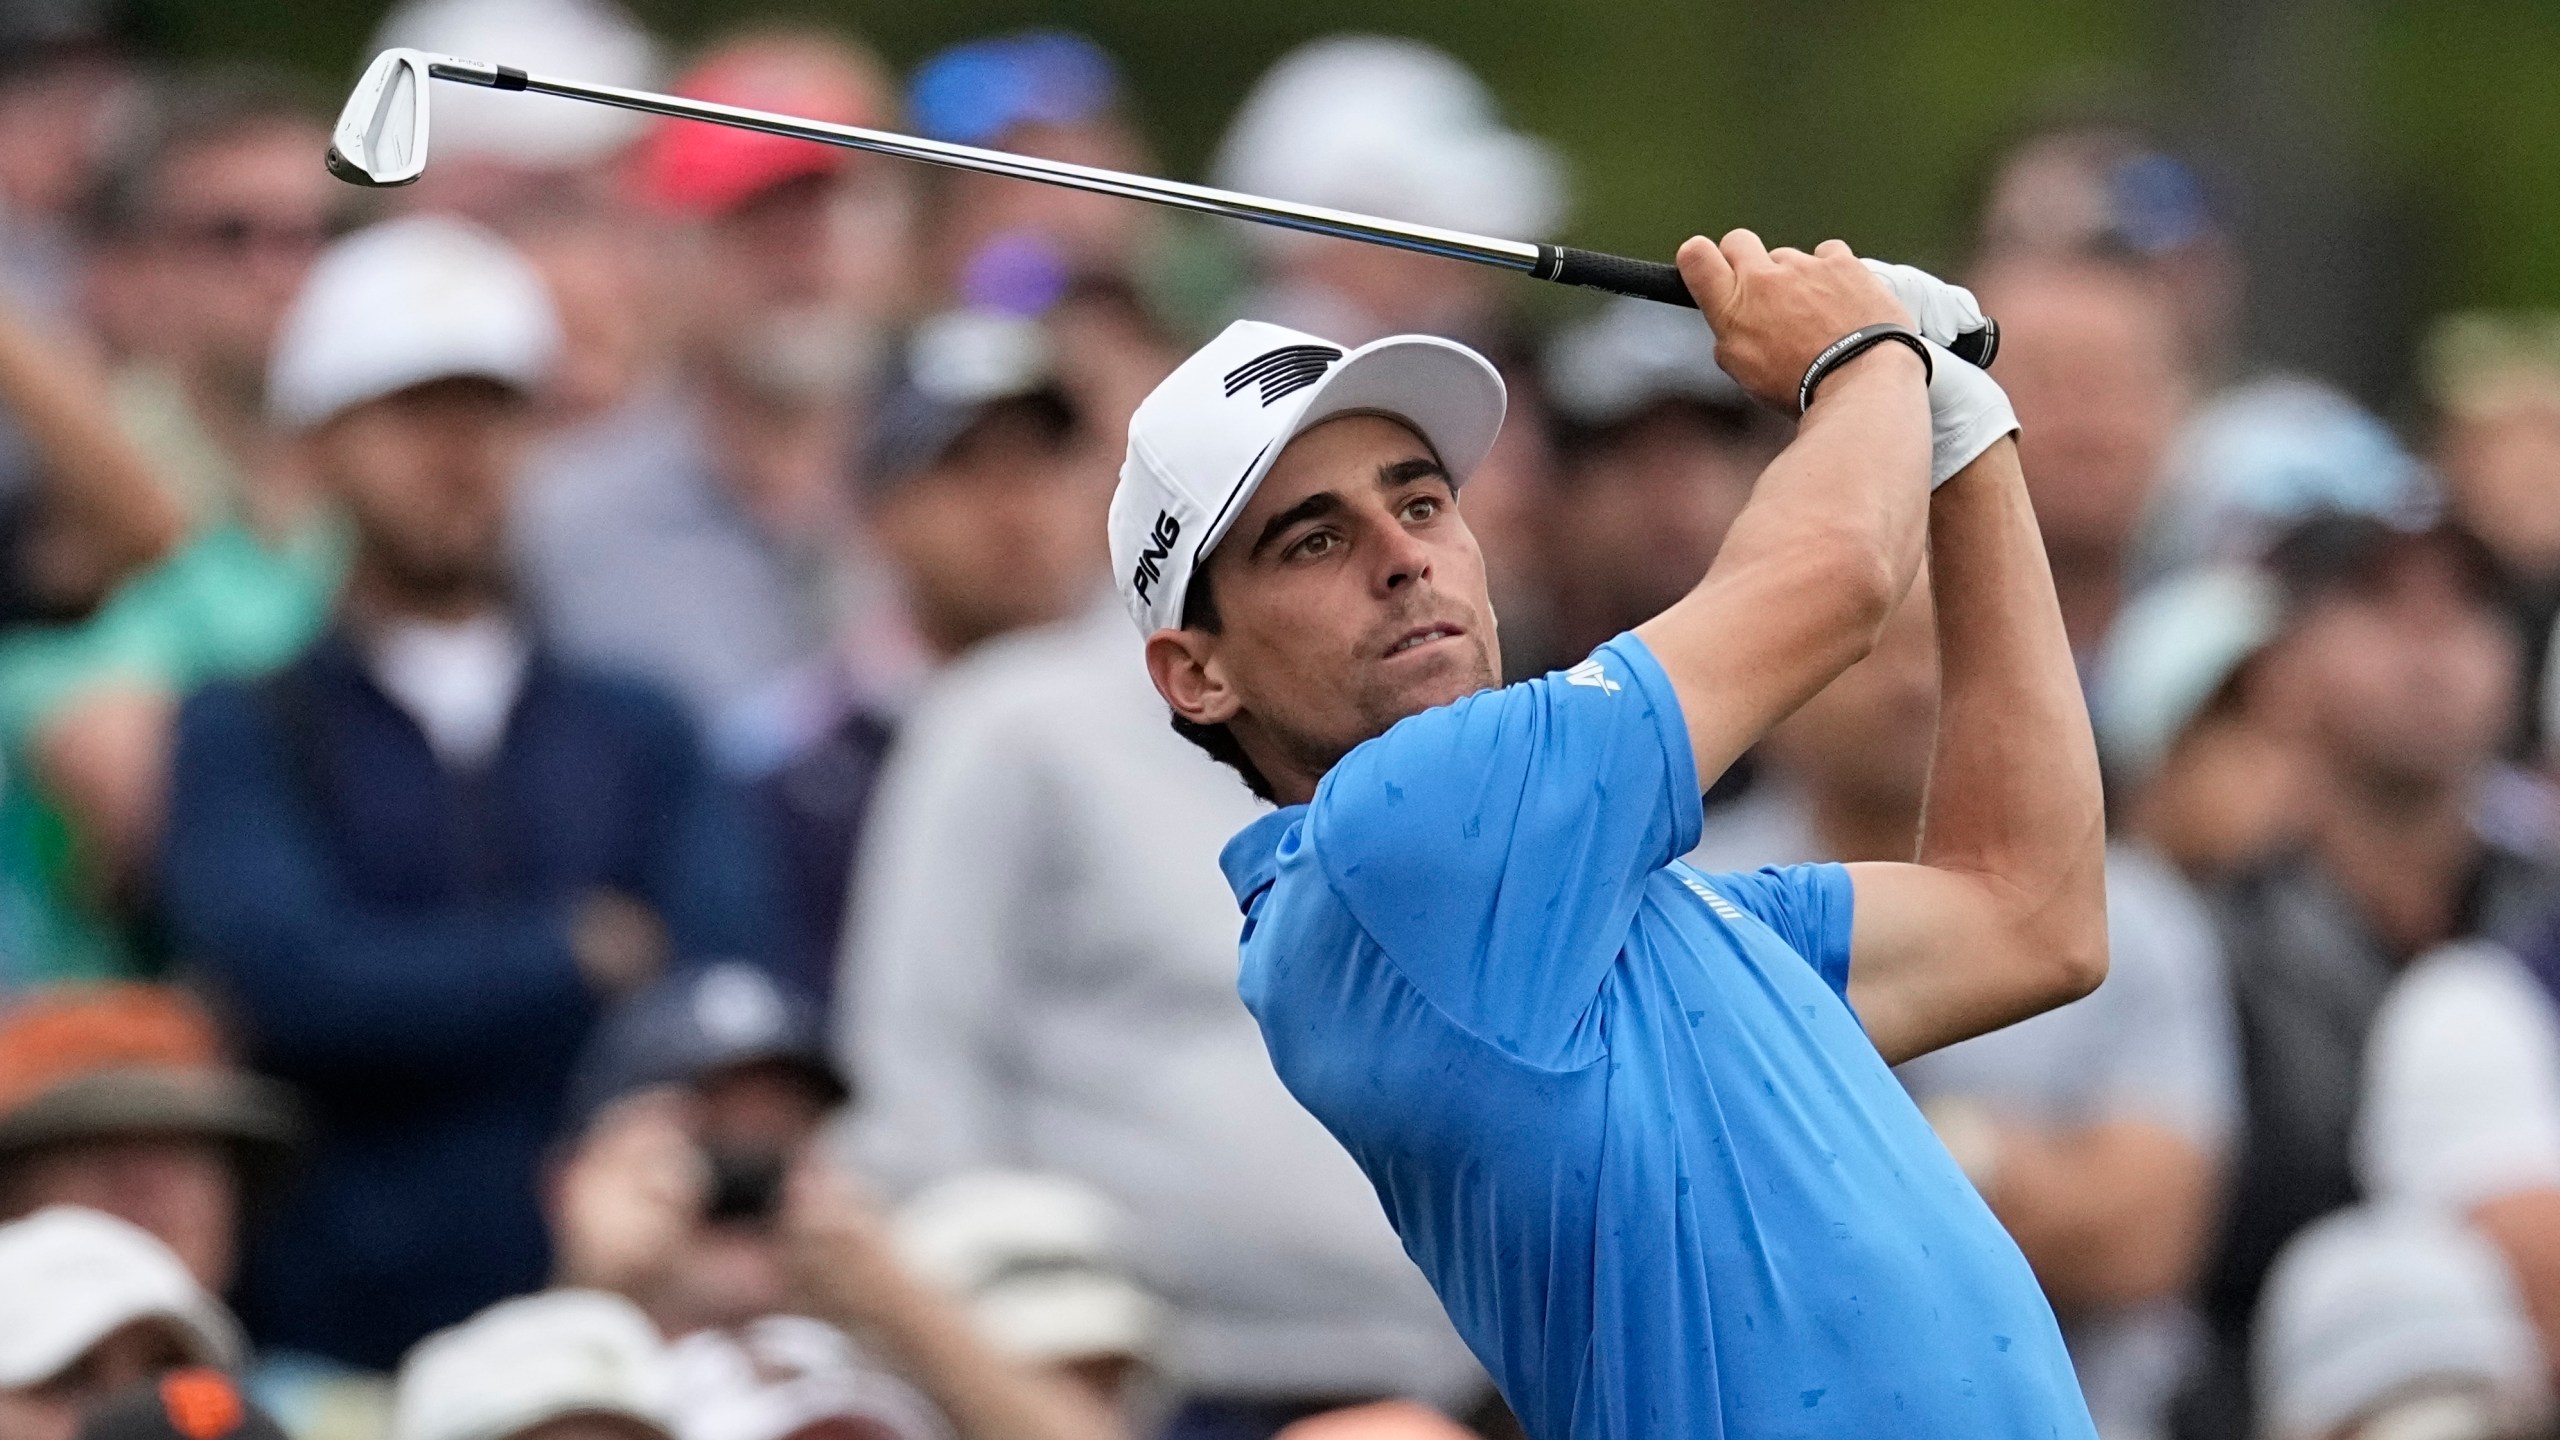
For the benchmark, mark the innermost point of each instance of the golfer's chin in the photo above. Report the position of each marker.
(1429, 676)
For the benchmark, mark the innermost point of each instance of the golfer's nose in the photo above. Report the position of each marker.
(1402, 559)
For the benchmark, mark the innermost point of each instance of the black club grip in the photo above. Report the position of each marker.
(1647, 280)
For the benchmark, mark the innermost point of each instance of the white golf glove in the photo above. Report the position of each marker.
(1967, 408)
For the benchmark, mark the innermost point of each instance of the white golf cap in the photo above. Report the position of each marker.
(1200, 444)
(1388, 126)
(2371, 1304)
(405, 302)
(785, 1375)
(70, 1278)
(525, 1361)
(1037, 1259)
(2170, 652)
(595, 40)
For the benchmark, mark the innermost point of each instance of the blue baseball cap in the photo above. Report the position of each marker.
(974, 92)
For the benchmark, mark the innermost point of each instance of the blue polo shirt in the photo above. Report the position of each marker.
(1619, 1111)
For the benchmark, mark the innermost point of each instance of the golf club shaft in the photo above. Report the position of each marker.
(1596, 270)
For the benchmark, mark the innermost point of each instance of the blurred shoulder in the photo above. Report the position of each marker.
(1036, 679)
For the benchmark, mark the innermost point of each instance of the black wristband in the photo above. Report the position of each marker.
(1854, 344)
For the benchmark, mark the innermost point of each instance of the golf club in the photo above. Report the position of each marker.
(381, 139)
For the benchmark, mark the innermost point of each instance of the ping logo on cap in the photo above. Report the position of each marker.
(1159, 545)
(1283, 372)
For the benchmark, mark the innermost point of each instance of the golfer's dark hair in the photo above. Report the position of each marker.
(1200, 612)
(210, 107)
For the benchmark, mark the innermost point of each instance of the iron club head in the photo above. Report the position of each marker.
(381, 138)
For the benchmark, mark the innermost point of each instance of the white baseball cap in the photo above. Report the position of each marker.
(525, 1361)
(1201, 442)
(425, 298)
(595, 40)
(781, 1375)
(70, 1278)
(1037, 1259)
(1388, 126)
(2372, 1303)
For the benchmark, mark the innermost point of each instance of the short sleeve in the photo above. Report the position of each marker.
(1496, 848)
(1810, 906)
(2462, 1083)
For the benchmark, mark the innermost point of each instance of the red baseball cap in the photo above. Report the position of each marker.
(690, 167)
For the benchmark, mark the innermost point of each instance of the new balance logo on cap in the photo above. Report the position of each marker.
(1283, 372)
(1203, 440)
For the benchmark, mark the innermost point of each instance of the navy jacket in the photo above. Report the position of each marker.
(393, 938)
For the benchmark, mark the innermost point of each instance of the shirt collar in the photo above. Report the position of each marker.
(1252, 859)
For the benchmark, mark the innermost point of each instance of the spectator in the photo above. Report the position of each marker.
(2093, 185)
(67, 84)
(1384, 127)
(1007, 244)
(562, 1365)
(2462, 1108)
(703, 1094)
(2092, 355)
(2097, 1132)
(119, 1099)
(414, 861)
(206, 224)
(538, 169)
(2494, 382)
(692, 536)
(198, 1403)
(2394, 672)
(1039, 1262)
(1041, 975)
(1658, 449)
(2200, 774)
(2262, 457)
(88, 1306)
(984, 489)
(2382, 1323)
(709, 1082)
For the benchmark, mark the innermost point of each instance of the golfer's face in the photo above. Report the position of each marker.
(1351, 593)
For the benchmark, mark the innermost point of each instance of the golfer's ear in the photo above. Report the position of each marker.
(1183, 663)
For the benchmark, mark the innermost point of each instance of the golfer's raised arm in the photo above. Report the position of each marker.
(2005, 915)
(1832, 536)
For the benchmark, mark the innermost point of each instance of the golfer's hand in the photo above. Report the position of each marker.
(1968, 411)
(1774, 310)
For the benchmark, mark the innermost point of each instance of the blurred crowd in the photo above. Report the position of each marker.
(584, 851)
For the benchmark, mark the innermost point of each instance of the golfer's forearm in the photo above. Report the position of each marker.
(98, 479)
(2013, 793)
(1813, 565)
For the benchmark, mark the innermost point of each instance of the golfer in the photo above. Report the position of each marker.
(1633, 1121)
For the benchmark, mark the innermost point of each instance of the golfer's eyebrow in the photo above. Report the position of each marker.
(1400, 473)
(1321, 503)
